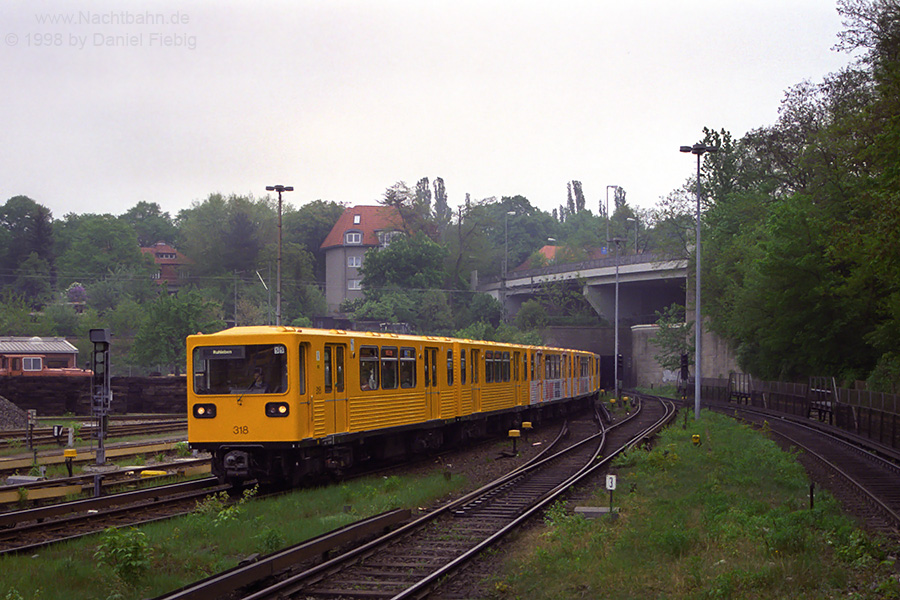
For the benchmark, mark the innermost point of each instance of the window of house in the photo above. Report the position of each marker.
(357, 219)
(31, 363)
(354, 261)
(354, 284)
(353, 237)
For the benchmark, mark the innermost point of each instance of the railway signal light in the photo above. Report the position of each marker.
(684, 367)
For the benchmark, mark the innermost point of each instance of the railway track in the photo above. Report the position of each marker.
(865, 481)
(53, 489)
(26, 530)
(44, 436)
(410, 562)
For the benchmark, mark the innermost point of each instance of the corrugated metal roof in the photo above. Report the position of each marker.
(36, 345)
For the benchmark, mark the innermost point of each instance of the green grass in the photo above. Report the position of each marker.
(727, 519)
(161, 557)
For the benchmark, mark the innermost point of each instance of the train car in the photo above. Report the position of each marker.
(284, 404)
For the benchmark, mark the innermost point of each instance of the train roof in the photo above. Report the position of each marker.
(256, 330)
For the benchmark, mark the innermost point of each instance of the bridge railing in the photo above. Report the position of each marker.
(597, 263)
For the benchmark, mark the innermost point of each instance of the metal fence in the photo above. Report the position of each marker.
(872, 415)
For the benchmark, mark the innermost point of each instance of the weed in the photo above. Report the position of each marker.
(126, 551)
(220, 507)
(269, 540)
(182, 450)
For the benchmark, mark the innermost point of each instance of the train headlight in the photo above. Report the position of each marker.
(277, 409)
(204, 411)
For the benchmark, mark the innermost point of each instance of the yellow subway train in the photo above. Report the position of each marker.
(284, 404)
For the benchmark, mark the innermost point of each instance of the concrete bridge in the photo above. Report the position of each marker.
(647, 283)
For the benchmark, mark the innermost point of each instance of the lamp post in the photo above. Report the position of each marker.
(506, 242)
(279, 189)
(607, 212)
(636, 225)
(699, 150)
(617, 241)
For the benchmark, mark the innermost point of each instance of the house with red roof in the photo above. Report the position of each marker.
(356, 231)
(173, 266)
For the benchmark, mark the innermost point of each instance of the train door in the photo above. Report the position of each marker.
(517, 382)
(537, 378)
(335, 389)
(432, 384)
(475, 366)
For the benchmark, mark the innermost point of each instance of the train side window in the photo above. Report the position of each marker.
(515, 375)
(474, 366)
(462, 367)
(407, 367)
(489, 366)
(389, 368)
(301, 381)
(368, 367)
(504, 366)
(498, 366)
(449, 367)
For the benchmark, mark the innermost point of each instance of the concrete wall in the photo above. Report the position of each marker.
(717, 358)
(61, 395)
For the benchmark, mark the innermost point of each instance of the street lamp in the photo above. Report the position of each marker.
(699, 150)
(279, 189)
(636, 225)
(616, 241)
(506, 242)
(607, 211)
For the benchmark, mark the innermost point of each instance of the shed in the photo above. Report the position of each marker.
(33, 355)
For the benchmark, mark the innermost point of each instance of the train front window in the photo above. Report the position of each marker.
(251, 369)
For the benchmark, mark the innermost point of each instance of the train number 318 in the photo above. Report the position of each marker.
(241, 430)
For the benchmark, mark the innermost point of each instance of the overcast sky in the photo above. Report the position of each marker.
(106, 104)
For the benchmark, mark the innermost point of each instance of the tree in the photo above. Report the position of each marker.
(151, 224)
(170, 319)
(442, 211)
(26, 228)
(531, 315)
(413, 262)
(33, 280)
(674, 338)
(229, 233)
(97, 245)
(308, 226)
(414, 208)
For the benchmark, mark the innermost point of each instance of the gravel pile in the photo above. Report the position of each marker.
(11, 416)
